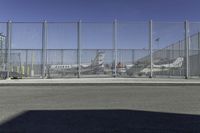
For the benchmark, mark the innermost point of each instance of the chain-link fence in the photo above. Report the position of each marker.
(85, 49)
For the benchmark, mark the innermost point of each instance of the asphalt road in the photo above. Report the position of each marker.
(144, 104)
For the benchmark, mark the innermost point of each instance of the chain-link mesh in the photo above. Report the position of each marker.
(106, 50)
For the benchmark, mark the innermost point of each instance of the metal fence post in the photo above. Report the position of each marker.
(133, 56)
(8, 48)
(199, 51)
(186, 49)
(44, 48)
(198, 42)
(173, 51)
(26, 64)
(2, 43)
(62, 56)
(179, 48)
(115, 47)
(79, 48)
(150, 47)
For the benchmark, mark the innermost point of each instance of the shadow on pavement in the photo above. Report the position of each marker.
(101, 121)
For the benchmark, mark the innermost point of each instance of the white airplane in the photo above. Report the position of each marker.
(165, 67)
(96, 65)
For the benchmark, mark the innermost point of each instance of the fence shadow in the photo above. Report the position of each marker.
(101, 121)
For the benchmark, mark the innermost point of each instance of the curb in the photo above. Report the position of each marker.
(99, 84)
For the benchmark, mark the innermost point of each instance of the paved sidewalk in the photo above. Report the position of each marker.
(102, 81)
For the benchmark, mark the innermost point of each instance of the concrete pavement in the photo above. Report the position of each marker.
(140, 109)
(102, 81)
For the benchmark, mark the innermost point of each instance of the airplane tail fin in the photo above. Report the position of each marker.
(99, 59)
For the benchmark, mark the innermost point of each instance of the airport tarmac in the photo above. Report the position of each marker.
(177, 107)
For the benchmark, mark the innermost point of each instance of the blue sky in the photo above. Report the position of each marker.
(98, 35)
(99, 10)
